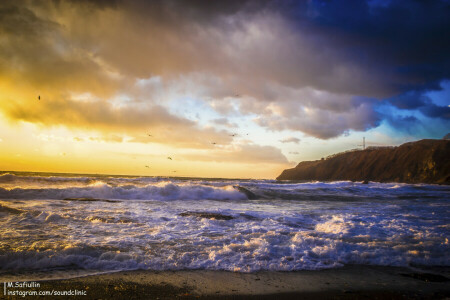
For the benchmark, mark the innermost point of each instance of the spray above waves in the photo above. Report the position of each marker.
(8, 177)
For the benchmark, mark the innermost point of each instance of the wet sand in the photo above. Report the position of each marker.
(350, 282)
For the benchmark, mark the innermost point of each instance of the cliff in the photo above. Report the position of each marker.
(425, 161)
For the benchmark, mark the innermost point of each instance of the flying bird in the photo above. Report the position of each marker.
(213, 143)
(39, 97)
(147, 167)
(234, 134)
(149, 134)
(169, 158)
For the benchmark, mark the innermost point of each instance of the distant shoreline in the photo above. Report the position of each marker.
(349, 282)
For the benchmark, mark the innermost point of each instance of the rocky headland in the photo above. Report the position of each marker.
(424, 161)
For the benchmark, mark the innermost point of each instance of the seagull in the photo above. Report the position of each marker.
(169, 158)
(147, 167)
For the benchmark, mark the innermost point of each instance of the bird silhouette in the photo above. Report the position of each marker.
(147, 167)
(149, 135)
(39, 97)
(169, 158)
(213, 143)
(234, 134)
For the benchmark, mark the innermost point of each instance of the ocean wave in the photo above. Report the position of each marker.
(108, 223)
(7, 177)
(274, 250)
(10, 210)
(80, 257)
(106, 189)
(102, 190)
(246, 236)
(8, 180)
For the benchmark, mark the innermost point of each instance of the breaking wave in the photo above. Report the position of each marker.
(110, 223)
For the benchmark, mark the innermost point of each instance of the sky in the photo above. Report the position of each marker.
(236, 89)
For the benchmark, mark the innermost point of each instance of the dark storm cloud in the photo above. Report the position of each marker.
(408, 124)
(410, 100)
(22, 21)
(414, 100)
(297, 65)
(435, 111)
(408, 40)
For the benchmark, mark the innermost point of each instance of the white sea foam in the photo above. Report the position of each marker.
(102, 190)
(164, 223)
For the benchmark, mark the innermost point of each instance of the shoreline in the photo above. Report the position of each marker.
(348, 282)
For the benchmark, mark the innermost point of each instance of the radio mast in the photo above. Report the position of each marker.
(363, 144)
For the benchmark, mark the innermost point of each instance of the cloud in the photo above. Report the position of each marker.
(435, 111)
(224, 122)
(246, 153)
(295, 65)
(415, 100)
(410, 100)
(401, 40)
(107, 138)
(290, 140)
(39, 54)
(116, 123)
(321, 123)
(408, 124)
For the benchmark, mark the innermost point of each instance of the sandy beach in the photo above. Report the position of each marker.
(350, 282)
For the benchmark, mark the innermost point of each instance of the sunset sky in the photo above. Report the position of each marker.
(225, 88)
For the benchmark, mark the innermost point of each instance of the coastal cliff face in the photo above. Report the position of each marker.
(425, 161)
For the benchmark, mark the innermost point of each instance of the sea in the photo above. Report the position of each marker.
(86, 224)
